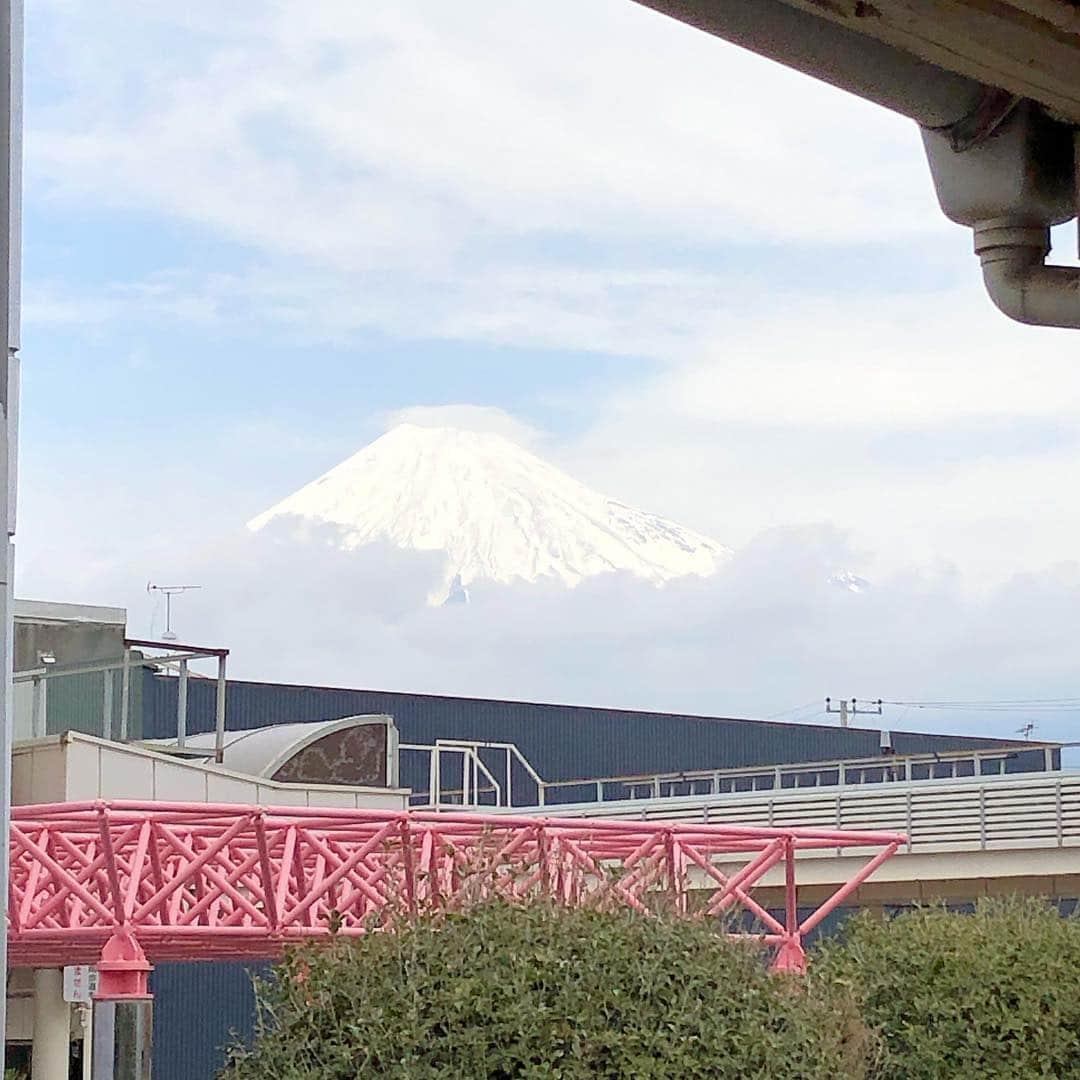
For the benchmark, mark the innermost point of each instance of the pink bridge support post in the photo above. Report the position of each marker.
(123, 970)
(128, 884)
(790, 957)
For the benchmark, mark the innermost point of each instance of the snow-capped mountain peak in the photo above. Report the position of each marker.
(499, 512)
(847, 579)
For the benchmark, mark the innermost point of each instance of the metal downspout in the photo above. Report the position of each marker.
(1019, 282)
(1013, 255)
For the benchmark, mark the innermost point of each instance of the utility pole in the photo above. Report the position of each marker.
(853, 708)
(11, 53)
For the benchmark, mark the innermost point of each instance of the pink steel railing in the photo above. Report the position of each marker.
(117, 883)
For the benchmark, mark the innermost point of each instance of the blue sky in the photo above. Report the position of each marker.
(701, 282)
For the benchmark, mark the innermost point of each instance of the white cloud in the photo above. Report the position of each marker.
(584, 176)
(934, 430)
(388, 135)
(842, 362)
(468, 418)
(632, 311)
(766, 633)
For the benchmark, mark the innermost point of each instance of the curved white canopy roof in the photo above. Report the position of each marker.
(263, 751)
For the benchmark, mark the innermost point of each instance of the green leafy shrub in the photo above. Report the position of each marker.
(994, 994)
(506, 992)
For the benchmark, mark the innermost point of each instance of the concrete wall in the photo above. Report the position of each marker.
(71, 632)
(78, 768)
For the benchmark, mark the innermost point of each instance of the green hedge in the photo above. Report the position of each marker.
(545, 992)
(994, 994)
(503, 993)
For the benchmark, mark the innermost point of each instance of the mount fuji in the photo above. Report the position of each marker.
(498, 512)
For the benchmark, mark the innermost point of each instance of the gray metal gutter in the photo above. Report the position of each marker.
(891, 77)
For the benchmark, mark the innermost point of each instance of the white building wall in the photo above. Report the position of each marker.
(80, 768)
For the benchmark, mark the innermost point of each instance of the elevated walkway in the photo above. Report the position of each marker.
(121, 884)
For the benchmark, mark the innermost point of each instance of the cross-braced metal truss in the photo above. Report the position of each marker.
(179, 881)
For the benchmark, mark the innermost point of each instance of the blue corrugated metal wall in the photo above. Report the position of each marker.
(197, 1009)
(562, 742)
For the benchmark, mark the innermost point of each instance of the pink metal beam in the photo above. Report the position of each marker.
(127, 881)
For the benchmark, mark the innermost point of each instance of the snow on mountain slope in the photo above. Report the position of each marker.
(498, 512)
(846, 579)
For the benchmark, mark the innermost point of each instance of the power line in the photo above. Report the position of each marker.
(800, 713)
(1061, 705)
(795, 709)
(965, 702)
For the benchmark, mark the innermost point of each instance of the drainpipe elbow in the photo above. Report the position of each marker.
(1018, 280)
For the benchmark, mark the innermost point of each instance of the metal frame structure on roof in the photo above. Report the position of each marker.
(138, 653)
(121, 884)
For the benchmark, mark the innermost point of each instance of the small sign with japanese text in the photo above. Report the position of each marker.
(80, 982)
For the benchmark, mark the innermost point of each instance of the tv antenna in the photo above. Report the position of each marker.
(1027, 730)
(169, 592)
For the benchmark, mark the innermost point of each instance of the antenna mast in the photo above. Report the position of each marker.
(169, 592)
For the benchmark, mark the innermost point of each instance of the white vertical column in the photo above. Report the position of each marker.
(103, 1040)
(11, 49)
(86, 1017)
(125, 696)
(108, 686)
(181, 706)
(219, 711)
(52, 1026)
(37, 716)
(123, 1040)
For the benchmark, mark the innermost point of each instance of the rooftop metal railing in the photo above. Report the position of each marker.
(891, 768)
(469, 780)
(478, 780)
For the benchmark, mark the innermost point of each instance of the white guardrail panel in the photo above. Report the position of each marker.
(1040, 810)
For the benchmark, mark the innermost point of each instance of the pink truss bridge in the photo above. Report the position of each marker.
(121, 884)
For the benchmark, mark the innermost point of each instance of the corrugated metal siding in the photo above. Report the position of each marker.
(562, 742)
(197, 1007)
(77, 703)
